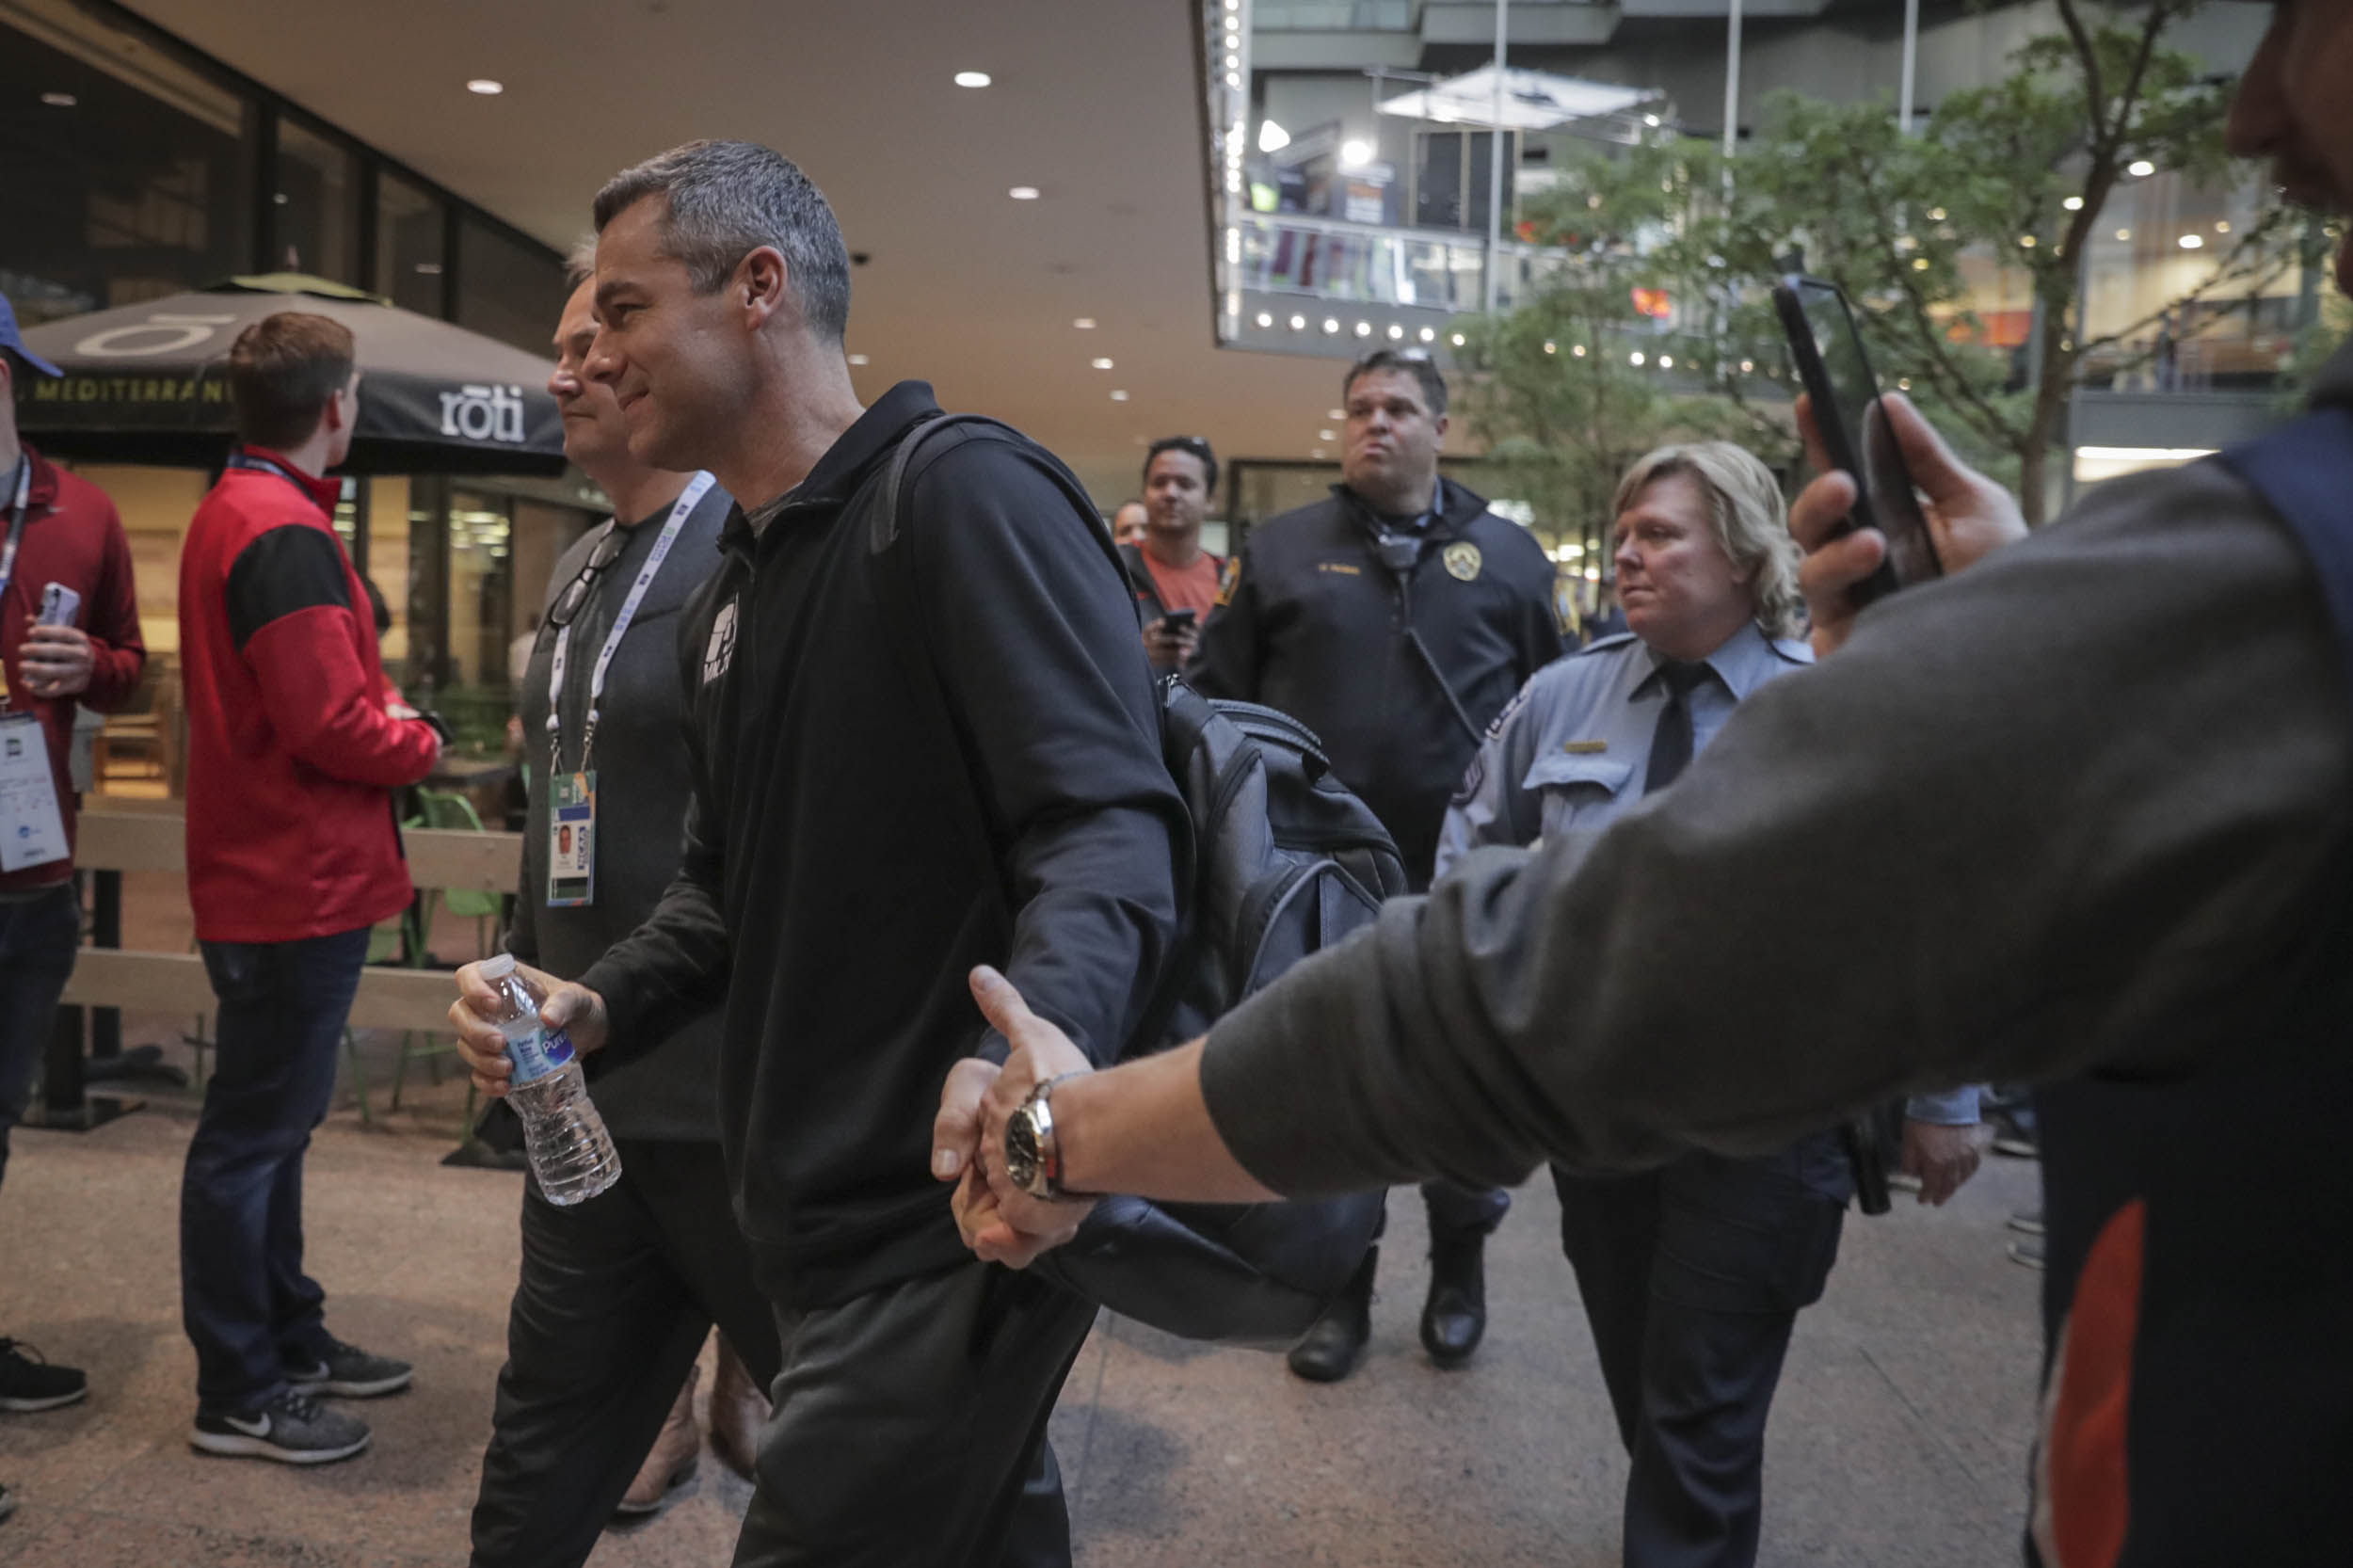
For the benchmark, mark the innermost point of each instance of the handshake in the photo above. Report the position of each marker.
(1001, 1221)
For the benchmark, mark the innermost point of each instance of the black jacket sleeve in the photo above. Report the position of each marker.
(1033, 635)
(1227, 663)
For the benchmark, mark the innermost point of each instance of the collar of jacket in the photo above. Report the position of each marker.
(845, 464)
(40, 491)
(326, 492)
(1458, 507)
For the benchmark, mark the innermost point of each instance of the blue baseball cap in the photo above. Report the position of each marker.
(14, 341)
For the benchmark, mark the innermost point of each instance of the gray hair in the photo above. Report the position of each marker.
(1749, 517)
(580, 263)
(728, 198)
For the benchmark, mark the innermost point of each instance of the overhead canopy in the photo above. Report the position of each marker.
(1533, 100)
(148, 383)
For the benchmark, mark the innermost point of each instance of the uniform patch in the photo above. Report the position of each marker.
(1463, 560)
(1519, 700)
(720, 652)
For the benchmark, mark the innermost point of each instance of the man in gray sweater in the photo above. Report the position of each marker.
(2081, 814)
(618, 1293)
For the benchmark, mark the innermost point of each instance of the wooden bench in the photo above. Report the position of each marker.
(117, 837)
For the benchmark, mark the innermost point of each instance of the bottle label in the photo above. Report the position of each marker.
(536, 1052)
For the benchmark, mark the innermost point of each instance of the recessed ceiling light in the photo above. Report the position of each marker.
(2074, 204)
(860, 360)
(2140, 169)
(2222, 226)
(1635, 358)
(1748, 366)
(1578, 351)
(1396, 332)
(1326, 435)
(1552, 348)
(59, 100)
(1023, 193)
(1666, 362)
(1299, 324)
(1331, 324)
(972, 78)
(1430, 334)
(1355, 155)
(1336, 413)
(1266, 318)
(281, 199)
(1102, 365)
(431, 269)
(485, 86)
(1364, 328)
(1084, 324)
(1119, 398)
(2124, 233)
(2192, 242)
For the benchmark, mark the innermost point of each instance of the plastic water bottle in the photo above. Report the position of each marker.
(571, 1152)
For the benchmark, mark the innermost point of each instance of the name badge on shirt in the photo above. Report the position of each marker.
(32, 831)
(572, 841)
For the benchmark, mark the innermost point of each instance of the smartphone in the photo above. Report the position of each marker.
(60, 604)
(1853, 425)
(1177, 619)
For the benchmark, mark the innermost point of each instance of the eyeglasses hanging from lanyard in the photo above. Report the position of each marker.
(575, 595)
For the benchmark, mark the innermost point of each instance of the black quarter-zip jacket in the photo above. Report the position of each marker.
(829, 894)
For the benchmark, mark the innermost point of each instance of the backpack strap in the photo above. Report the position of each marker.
(890, 553)
(1140, 577)
(2304, 472)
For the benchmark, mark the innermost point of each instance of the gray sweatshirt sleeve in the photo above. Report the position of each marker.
(2070, 810)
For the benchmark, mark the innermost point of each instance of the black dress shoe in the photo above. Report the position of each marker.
(1332, 1348)
(1454, 1318)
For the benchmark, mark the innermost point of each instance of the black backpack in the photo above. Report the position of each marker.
(1284, 862)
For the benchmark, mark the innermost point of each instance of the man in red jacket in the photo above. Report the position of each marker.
(60, 531)
(293, 854)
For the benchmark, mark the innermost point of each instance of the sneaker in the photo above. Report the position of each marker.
(292, 1428)
(2027, 1220)
(352, 1373)
(28, 1382)
(2026, 1252)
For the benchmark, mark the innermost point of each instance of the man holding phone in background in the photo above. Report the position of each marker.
(68, 637)
(1175, 580)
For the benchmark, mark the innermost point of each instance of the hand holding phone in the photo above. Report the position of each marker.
(1178, 620)
(1852, 422)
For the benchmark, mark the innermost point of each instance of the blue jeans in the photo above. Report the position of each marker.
(38, 937)
(247, 1305)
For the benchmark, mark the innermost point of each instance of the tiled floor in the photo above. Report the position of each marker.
(1899, 1438)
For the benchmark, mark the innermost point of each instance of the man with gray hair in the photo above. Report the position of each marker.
(1691, 1274)
(923, 736)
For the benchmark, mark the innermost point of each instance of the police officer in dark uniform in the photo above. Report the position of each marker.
(1395, 619)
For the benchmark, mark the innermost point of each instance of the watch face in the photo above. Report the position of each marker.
(1021, 1151)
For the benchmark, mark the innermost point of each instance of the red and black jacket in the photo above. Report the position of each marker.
(71, 535)
(291, 754)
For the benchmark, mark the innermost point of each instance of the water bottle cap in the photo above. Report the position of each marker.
(497, 967)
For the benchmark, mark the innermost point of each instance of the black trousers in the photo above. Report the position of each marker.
(909, 1429)
(616, 1299)
(1692, 1277)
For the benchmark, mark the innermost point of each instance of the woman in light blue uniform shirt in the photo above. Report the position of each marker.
(1692, 1274)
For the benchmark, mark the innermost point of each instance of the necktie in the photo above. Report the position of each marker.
(1671, 744)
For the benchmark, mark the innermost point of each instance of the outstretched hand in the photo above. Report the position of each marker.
(1969, 517)
(1001, 1222)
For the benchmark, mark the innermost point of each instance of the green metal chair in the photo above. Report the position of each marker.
(449, 810)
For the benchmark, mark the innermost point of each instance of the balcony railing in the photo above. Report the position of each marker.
(1358, 263)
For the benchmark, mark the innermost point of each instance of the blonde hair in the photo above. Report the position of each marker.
(1751, 520)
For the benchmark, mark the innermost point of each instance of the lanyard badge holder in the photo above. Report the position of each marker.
(572, 793)
(32, 829)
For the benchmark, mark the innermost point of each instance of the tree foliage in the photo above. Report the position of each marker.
(1911, 226)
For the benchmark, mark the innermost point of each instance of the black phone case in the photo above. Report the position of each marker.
(1798, 329)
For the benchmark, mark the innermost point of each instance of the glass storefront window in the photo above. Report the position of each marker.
(315, 205)
(480, 599)
(126, 169)
(505, 290)
(2159, 238)
(408, 230)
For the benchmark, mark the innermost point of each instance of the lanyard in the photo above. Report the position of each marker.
(695, 489)
(16, 522)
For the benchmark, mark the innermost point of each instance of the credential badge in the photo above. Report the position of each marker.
(1461, 560)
